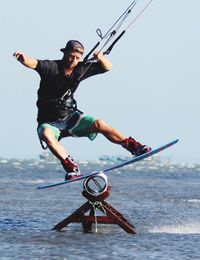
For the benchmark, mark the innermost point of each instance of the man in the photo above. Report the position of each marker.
(58, 116)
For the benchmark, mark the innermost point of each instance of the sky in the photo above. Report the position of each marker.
(152, 92)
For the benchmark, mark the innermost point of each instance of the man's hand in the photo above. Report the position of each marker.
(105, 63)
(98, 55)
(30, 63)
(19, 56)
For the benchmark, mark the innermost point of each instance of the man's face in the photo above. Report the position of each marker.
(71, 59)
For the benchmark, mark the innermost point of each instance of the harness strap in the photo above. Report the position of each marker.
(42, 144)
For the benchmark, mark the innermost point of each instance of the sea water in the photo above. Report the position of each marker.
(162, 200)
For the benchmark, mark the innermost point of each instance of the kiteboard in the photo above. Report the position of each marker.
(117, 166)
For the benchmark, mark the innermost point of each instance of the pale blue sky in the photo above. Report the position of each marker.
(152, 92)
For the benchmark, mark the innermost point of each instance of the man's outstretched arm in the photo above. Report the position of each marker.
(28, 62)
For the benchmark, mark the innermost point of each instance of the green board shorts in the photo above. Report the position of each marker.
(76, 124)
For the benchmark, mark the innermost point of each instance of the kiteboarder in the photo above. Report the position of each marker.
(58, 115)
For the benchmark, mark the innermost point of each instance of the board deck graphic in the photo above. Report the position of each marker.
(117, 166)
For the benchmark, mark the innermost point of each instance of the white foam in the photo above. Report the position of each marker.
(3, 161)
(38, 181)
(194, 200)
(178, 229)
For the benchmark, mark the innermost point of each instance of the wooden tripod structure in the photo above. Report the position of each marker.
(111, 215)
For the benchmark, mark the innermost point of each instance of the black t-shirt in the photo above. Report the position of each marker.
(55, 87)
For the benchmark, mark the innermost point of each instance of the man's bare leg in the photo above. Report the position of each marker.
(68, 163)
(116, 137)
(108, 131)
(54, 145)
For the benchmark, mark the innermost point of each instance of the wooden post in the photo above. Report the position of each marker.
(112, 216)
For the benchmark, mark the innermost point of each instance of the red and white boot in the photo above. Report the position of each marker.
(71, 168)
(135, 147)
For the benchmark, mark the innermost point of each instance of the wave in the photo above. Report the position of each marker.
(194, 200)
(38, 181)
(192, 228)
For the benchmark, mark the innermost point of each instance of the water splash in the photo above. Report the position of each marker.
(189, 228)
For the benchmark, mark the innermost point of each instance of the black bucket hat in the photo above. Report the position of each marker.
(73, 45)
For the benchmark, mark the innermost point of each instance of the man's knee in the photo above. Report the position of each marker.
(47, 135)
(99, 125)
